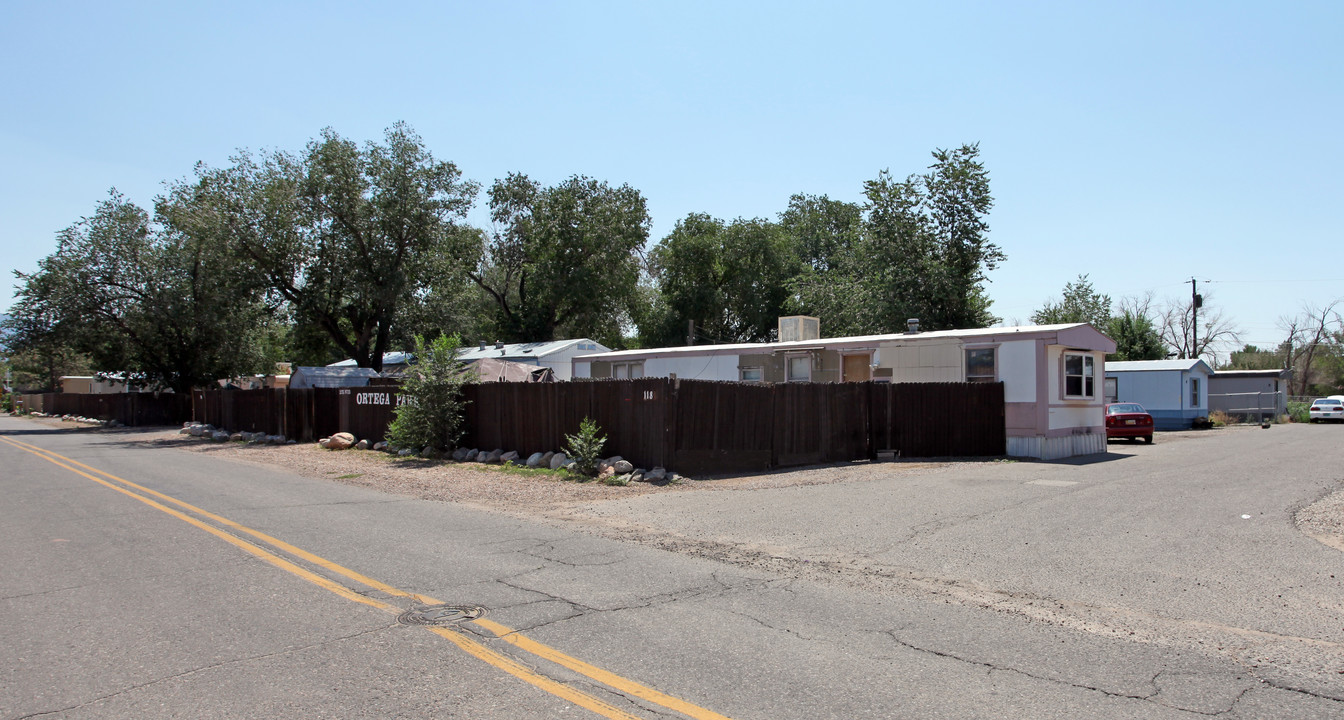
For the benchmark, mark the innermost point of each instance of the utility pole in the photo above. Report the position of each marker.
(690, 332)
(1196, 300)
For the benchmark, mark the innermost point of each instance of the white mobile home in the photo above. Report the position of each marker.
(1051, 374)
(556, 355)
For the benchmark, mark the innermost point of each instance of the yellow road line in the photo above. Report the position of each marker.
(471, 646)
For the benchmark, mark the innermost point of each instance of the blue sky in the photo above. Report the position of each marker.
(1141, 143)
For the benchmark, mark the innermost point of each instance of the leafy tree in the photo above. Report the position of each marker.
(827, 236)
(145, 296)
(565, 260)
(429, 413)
(927, 239)
(347, 236)
(1080, 304)
(1250, 357)
(730, 278)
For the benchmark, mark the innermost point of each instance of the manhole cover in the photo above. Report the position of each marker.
(440, 614)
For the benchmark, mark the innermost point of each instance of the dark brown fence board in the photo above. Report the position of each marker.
(694, 427)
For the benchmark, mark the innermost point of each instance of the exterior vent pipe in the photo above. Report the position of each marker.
(912, 326)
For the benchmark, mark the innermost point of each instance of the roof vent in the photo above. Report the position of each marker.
(912, 326)
(799, 327)
(482, 344)
(499, 344)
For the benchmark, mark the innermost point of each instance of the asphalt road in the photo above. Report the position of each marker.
(1130, 588)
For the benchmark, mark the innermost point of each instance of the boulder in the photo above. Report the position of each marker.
(559, 460)
(491, 457)
(606, 472)
(534, 460)
(323, 442)
(623, 466)
(571, 466)
(428, 452)
(278, 440)
(220, 436)
(471, 455)
(459, 454)
(405, 452)
(509, 457)
(341, 441)
(236, 437)
(380, 446)
(637, 475)
(184, 431)
(546, 459)
(362, 444)
(655, 475)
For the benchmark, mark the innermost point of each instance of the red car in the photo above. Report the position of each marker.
(1128, 420)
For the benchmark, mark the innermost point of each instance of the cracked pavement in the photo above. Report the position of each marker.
(955, 591)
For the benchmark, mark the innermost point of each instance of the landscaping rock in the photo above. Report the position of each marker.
(637, 475)
(428, 452)
(471, 455)
(534, 460)
(405, 452)
(184, 431)
(235, 437)
(546, 459)
(362, 445)
(558, 461)
(655, 475)
(623, 466)
(605, 473)
(340, 441)
(509, 457)
(380, 446)
(220, 436)
(459, 454)
(570, 466)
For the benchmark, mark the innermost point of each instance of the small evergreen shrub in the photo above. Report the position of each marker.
(429, 404)
(586, 447)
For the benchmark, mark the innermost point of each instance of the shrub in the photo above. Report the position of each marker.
(429, 406)
(1220, 418)
(1299, 412)
(586, 447)
(6, 402)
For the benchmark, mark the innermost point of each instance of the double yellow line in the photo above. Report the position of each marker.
(462, 640)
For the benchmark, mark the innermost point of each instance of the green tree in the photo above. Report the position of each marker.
(731, 279)
(430, 405)
(145, 296)
(827, 236)
(347, 236)
(565, 261)
(1080, 304)
(927, 238)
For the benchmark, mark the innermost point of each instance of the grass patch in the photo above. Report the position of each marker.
(511, 469)
(349, 476)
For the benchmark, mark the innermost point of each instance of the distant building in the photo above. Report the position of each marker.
(1255, 395)
(330, 377)
(1174, 392)
(557, 355)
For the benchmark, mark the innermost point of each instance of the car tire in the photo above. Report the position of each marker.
(1148, 439)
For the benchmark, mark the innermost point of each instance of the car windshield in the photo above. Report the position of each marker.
(1125, 408)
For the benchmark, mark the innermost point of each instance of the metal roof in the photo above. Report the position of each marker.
(394, 357)
(531, 350)
(857, 340)
(1150, 365)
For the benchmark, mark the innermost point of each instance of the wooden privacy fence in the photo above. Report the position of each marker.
(691, 426)
(131, 409)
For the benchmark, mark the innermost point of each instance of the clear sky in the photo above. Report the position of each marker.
(1141, 143)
